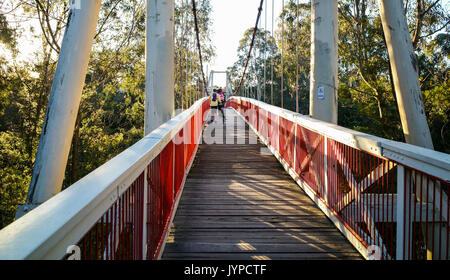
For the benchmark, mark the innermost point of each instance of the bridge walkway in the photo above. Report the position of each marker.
(239, 203)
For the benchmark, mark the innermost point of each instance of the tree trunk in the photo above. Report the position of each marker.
(419, 23)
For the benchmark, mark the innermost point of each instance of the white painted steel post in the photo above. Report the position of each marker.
(160, 65)
(63, 104)
(324, 57)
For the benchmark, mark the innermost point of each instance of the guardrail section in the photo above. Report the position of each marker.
(123, 209)
(389, 199)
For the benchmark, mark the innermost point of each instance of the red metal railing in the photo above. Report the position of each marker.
(117, 235)
(166, 176)
(394, 210)
(138, 221)
(362, 191)
(426, 211)
(389, 199)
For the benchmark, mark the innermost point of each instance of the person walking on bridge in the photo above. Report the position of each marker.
(215, 101)
(222, 103)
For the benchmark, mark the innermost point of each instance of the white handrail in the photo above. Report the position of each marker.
(47, 231)
(428, 161)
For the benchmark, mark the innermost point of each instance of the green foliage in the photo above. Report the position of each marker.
(264, 50)
(15, 175)
(268, 53)
(366, 94)
(437, 107)
(7, 33)
(111, 112)
(188, 76)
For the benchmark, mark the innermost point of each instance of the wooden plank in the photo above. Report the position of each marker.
(255, 225)
(232, 166)
(262, 256)
(229, 154)
(272, 186)
(265, 204)
(230, 173)
(247, 197)
(250, 207)
(247, 149)
(266, 239)
(238, 212)
(200, 247)
(234, 201)
(248, 174)
(251, 218)
(230, 209)
(252, 190)
(226, 180)
(240, 180)
(301, 235)
(244, 160)
(251, 232)
(280, 194)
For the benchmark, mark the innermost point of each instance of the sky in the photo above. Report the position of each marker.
(230, 20)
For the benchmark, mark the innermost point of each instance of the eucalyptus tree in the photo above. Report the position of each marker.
(296, 35)
(264, 50)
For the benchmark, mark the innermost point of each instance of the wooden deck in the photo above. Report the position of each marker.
(239, 203)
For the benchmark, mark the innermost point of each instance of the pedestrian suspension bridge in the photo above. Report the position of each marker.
(259, 182)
